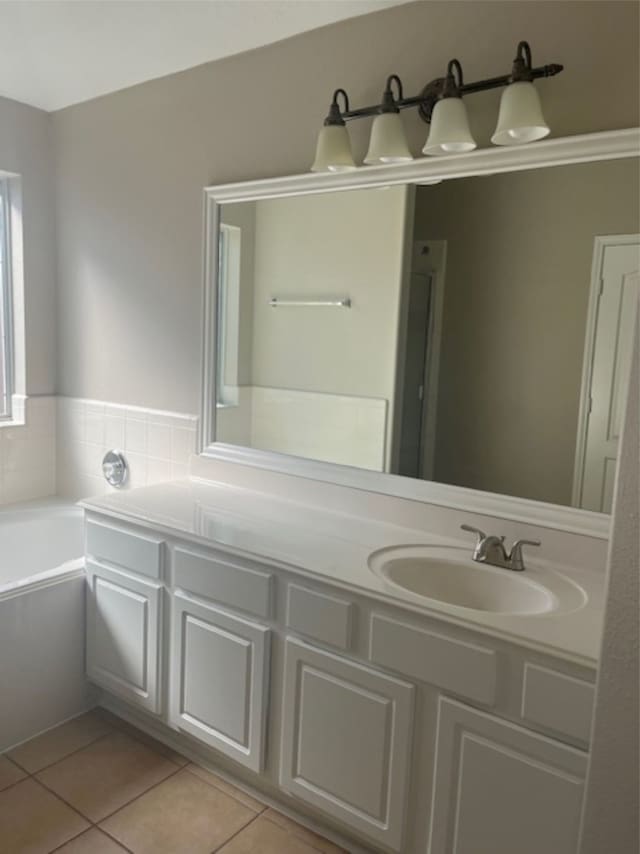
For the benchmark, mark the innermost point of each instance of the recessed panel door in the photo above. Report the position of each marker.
(500, 789)
(346, 741)
(123, 635)
(219, 679)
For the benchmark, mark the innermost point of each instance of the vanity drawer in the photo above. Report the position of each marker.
(327, 619)
(135, 552)
(230, 583)
(557, 701)
(463, 668)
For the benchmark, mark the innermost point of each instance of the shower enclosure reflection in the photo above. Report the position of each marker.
(475, 332)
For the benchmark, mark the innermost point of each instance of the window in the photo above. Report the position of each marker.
(6, 361)
(227, 379)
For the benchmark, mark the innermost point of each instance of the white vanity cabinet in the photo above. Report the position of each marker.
(124, 616)
(346, 741)
(501, 789)
(124, 611)
(219, 677)
(408, 733)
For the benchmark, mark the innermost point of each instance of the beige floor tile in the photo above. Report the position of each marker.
(33, 821)
(107, 774)
(93, 841)
(124, 726)
(303, 833)
(266, 837)
(9, 773)
(183, 814)
(57, 743)
(227, 788)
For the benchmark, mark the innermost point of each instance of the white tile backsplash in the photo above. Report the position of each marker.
(156, 444)
(114, 432)
(135, 434)
(159, 440)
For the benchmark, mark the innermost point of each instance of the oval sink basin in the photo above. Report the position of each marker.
(449, 575)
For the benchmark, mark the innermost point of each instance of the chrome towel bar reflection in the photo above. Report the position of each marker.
(274, 302)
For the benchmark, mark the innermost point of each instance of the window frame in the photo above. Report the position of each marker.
(6, 303)
(228, 315)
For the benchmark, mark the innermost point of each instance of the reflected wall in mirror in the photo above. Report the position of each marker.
(475, 332)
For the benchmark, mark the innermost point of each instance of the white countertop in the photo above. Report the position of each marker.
(334, 547)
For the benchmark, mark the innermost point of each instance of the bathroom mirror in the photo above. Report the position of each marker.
(471, 331)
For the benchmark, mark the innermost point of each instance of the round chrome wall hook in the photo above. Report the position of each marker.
(115, 468)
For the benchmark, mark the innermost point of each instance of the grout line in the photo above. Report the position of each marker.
(60, 798)
(67, 841)
(148, 741)
(237, 833)
(137, 797)
(16, 783)
(225, 792)
(113, 838)
(62, 758)
(86, 830)
(13, 762)
(49, 729)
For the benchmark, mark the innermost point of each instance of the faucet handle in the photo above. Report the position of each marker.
(472, 530)
(515, 558)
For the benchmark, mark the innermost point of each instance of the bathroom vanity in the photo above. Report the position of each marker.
(416, 346)
(261, 636)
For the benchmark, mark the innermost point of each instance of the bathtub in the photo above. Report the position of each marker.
(42, 619)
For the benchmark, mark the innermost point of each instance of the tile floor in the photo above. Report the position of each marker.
(96, 785)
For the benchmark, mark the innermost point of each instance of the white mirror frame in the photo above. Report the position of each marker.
(563, 151)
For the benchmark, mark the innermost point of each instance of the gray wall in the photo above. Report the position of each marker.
(26, 149)
(518, 274)
(131, 166)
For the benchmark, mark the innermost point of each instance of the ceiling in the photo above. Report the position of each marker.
(54, 53)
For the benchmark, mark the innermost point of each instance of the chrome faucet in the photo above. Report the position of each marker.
(490, 549)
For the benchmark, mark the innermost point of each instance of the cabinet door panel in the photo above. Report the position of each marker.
(123, 632)
(346, 741)
(219, 679)
(499, 788)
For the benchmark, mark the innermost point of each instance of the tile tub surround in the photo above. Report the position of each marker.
(28, 453)
(59, 448)
(332, 427)
(96, 784)
(156, 444)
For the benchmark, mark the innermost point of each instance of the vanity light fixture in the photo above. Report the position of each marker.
(520, 118)
(388, 143)
(450, 132)
(439, 104)
(333, 151)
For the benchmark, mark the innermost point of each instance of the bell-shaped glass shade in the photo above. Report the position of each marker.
(520, 118)
(333, 150)
(449, 132)
(388, 143)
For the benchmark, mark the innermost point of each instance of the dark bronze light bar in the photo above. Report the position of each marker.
(520, 118)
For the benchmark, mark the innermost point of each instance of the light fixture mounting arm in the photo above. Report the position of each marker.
(336, 116)
(452, 85)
